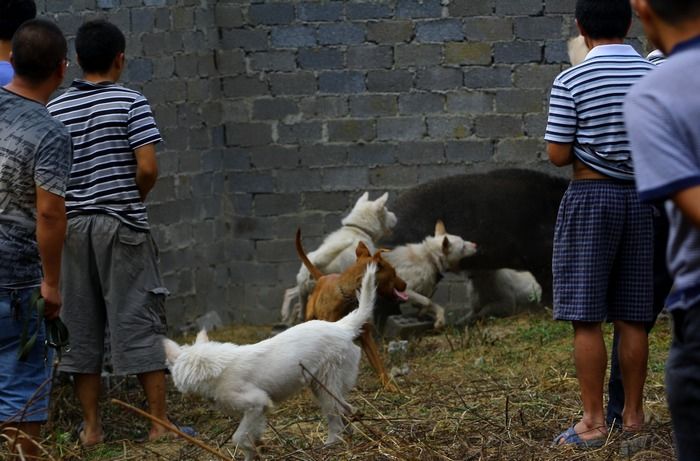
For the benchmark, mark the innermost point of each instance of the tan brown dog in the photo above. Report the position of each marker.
(334, 296)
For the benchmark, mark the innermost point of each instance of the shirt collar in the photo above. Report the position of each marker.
(690, 43)
(85, 85)
(611, 50)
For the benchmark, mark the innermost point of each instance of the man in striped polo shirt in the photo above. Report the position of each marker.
(110, 264)
(602, 258)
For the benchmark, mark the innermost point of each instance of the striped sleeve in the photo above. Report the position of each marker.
(141, 126)
(561, 122)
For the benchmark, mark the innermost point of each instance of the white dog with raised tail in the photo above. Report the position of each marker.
(251, 378)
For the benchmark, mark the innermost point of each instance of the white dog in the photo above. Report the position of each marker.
(421, 266)
(251, 378)
(577, 50)
(367, 222)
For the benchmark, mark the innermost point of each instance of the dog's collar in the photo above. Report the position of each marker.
(360, 228)
(436, 263)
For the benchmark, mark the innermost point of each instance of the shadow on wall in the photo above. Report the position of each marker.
(510, 214)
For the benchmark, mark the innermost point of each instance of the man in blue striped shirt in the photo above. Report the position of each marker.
(602, 258)
(110, 263)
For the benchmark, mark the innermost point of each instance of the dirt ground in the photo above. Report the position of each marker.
(501, 390)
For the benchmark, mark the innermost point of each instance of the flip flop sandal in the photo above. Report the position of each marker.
(570, 437)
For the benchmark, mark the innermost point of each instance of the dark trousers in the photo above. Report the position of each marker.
(683, 383)
(662, 286)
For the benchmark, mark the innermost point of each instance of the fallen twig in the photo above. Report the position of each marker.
(171, 428)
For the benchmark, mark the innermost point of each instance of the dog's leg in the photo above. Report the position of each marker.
(330, 394)
(426, 304)
(375, 360)
(250, 431)
(288, 316)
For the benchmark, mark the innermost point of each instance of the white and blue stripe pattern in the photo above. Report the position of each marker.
(107, 123)
(656, 57)
(586, 108)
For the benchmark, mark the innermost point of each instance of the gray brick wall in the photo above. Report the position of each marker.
(277, 114)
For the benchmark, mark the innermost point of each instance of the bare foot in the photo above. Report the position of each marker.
(587, 433)
(159, 432)
(91, 436)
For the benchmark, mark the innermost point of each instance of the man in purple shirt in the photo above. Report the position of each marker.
(661, 116)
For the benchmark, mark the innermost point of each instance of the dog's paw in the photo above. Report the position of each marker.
(333, 439)
(439, 323)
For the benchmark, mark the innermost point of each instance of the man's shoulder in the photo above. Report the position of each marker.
(664, 80)
(82, 93)
(574, 74)
(51, 127)
(30, 115)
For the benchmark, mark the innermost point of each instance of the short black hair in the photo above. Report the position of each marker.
(97, 43)
(12, 14)
(676, 11)
(604, 19)
(38, 48)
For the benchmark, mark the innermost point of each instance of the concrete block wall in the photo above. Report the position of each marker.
(278, 114)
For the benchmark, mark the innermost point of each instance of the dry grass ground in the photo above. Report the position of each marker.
(499, 391)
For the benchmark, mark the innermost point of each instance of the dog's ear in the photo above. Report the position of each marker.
(446, 245)
(172, 350)
(577, 50)
(202, 337)
(362, 250)
(363, 198)
(381, 201)
(440, 228)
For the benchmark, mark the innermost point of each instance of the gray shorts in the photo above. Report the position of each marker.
(110, 276)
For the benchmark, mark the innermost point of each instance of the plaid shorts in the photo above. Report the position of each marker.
(602, 262)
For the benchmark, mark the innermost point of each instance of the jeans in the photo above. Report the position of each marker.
(683, 383)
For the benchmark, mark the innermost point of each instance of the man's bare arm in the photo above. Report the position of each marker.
(50, 234)
(146, 169)
(560, 154)
(688, 201)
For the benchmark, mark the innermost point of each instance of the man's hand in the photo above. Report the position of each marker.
(52, 300)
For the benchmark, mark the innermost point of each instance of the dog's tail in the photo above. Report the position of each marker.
(313, 270)
(366, 296)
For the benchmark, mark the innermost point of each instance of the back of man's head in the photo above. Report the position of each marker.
(12, 14)
(97, 43)
(38, 48)
(604, 19)
(676, 11)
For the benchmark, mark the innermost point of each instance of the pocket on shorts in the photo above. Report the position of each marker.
(9, 326)
(132, 251)
(156, 308)
(131, 237)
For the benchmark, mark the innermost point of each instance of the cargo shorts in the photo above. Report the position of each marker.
(110, 276)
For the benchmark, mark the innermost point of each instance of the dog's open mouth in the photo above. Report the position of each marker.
(401, 295)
